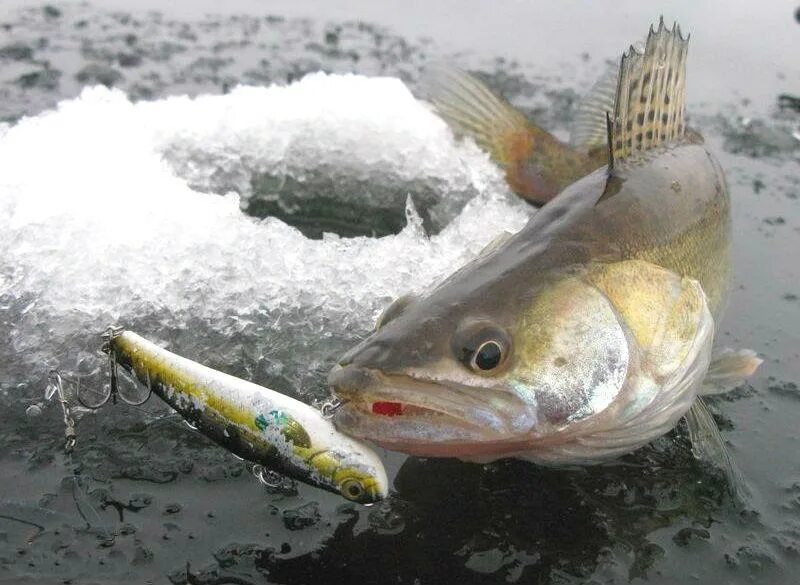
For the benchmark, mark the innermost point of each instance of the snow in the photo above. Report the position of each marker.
(131, 213)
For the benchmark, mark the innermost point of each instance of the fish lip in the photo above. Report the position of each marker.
(461, 408)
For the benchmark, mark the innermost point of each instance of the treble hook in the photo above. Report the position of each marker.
(112, 393)
(111, 333)
(70, 437)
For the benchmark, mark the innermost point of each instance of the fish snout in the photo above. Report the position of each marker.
(346, 380)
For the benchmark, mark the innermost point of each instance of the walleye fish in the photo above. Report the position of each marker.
(255, 423)
(588, 333)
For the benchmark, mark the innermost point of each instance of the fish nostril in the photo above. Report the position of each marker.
(350, 356)
(365, 354)
(349, 378)
(337, 377)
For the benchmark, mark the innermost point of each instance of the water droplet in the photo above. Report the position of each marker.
(33, 411)
(50, 391)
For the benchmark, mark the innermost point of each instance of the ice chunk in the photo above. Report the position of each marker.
(367, 124)
(350, 141)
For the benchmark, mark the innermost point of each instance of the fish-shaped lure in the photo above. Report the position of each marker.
(587, 334)
(255, 423)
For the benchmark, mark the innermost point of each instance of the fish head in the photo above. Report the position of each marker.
(473, 369)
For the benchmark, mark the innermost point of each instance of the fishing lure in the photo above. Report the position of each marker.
(253, 422)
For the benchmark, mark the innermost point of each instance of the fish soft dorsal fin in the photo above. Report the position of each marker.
(649, 104)
(588, 129)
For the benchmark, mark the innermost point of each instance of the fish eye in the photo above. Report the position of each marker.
(482, 347)
(352, 489)
(488, 356)
(394, 310)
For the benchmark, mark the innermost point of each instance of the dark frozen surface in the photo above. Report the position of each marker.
(144, 499)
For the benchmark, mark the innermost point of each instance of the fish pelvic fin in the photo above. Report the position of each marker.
(537, 165)
(649, 103)
(708, 446)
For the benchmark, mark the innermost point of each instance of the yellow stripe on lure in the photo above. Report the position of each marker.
(256, 423)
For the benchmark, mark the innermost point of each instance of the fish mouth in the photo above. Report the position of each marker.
(405, 413)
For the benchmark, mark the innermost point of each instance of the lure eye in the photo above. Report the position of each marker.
(488, 356)
(482, 347)
(352, 489)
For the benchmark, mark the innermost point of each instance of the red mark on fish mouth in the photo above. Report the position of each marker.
(387, 408)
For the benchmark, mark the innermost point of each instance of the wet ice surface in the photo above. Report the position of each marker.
(114, 208)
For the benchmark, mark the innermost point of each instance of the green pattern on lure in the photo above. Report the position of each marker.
(290, 428)
(255, 423)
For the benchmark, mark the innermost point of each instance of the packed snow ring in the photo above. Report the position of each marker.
(98, 224)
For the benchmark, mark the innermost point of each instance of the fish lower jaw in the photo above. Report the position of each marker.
(410, 428)
(384, 411)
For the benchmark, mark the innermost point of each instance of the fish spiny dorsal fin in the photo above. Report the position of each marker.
(648, 109)
(610, 141)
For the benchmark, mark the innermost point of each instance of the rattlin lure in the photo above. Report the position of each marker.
(253, 422)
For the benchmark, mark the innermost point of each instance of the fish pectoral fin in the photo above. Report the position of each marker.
(729, 369)
(708, 445)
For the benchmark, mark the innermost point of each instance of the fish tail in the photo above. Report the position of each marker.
(649, 104)
(532, 157)
(472, 109)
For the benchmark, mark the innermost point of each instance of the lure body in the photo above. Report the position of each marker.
(254, 422)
